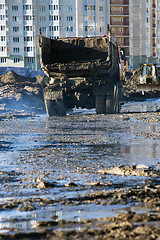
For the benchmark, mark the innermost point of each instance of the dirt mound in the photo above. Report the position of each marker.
(130, 84)
(12, 77)
(21, 93)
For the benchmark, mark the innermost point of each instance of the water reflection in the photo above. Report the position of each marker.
(151, 105)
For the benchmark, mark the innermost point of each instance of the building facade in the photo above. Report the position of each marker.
(135, 25)
(20, 21)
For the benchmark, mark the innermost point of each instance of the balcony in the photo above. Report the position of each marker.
(119, 23)
(125, 42)
(120, 13)
(119, 2)
(120, 34)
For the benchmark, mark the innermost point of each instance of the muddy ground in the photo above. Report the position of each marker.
(82, 176)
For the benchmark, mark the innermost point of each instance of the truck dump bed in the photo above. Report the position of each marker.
(74, 57)
(83, 72)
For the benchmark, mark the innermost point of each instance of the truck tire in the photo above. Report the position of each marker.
(113, 102)
(55, 107)
(100, 104)
(116, 99)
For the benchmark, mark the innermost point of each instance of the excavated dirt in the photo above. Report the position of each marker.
(21, 93)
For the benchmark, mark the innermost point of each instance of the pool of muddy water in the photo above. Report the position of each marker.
(47, 166)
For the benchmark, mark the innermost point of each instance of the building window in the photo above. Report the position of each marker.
(3, 38)
(28, 49)
(30, 60)
(27, 28)
(27, 17)
(28, 39)
(43, 29)
(42, 8)
(69, 29)
(55, 18)
(2, 17)
(101, 8)
(69, 8)
(15, 19)
(42, 19)
(27, 7)
(16, 50)
(16, 60)
(69, 19)
(3, 60)
(15, 29)
(101, 19)
(3, 28)
(1, 6)
(2, 49)
(15, 39)
(14, 8)
(101, 29)
(53, 7)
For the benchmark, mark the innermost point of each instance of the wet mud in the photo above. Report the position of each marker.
(82, 176)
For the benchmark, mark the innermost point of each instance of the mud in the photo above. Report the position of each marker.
(19, 93)
(82, 176)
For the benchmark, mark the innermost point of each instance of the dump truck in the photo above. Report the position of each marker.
(83, 72)
(149, 79)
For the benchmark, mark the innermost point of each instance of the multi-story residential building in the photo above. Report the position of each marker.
(136, 27)
(119, 22)
(20, 21)
(134, 23)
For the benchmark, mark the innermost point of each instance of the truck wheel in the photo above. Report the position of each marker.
(113, 102)
(100, 104)
(116, 99)
(55, 107)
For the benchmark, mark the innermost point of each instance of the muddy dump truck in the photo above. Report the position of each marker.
(149, 79)
(83, 72)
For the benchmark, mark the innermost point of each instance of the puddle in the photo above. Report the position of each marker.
(70, 151)
(150, 105)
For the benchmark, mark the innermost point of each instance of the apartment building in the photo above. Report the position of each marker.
(20, 21)
(136, 27)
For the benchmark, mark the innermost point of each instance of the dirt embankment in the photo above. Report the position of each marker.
(21, 93)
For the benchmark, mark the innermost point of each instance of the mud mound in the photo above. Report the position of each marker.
(21, 93)
(130, 84)
(12, 77)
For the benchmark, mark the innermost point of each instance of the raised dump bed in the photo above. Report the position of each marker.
(83, 72)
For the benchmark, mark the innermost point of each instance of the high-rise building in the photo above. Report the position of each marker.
(20, 21)
(136, 27)
(134, 23)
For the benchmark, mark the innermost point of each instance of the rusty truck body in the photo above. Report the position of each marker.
(83, 72)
